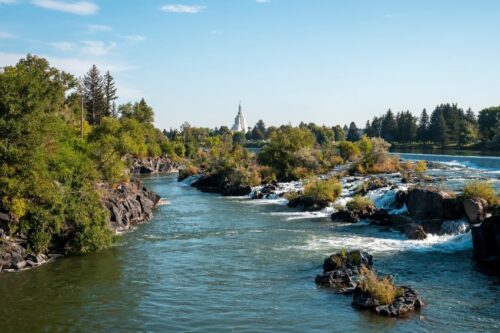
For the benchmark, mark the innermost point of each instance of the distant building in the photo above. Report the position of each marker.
(240, 123)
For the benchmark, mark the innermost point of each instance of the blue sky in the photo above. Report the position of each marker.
(323, 61)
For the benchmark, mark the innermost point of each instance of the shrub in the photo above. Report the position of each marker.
(481, 189)
(359, 203)
(267, 174)
(420, 167)
(188, 171)
(348, 150)
(381, 289)
(324, 190)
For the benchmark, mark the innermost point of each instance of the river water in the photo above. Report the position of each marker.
(206, 263)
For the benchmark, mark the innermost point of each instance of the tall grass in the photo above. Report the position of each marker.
(381, 289)
(324, 190)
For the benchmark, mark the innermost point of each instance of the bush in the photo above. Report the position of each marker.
(267, 174)
(483, 190)
(348, 150)
(383, 290)
(420, 167)
(187, 172)
(359, 203)
(323, 190)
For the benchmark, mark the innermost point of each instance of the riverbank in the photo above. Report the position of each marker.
(129, 204)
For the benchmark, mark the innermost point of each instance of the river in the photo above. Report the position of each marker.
(206, 263)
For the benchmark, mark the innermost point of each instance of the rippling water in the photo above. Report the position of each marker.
(212, 264)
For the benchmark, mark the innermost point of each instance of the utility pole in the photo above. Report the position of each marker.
(80, 90)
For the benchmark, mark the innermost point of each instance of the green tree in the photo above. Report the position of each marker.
(110, 95)
(95, 100)
(353, 133)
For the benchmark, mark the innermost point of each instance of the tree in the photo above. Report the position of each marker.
(139, 111)
(259, 131)
(353, 133)
(388, 127)
(109, 95)
(406, 127)
(239, 138)
(95, 100)
(338, 133)
(489, 123)
(423, 127)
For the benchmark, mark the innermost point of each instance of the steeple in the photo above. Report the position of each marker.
(240, 123)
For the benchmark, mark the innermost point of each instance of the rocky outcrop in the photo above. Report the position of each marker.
(352, 215)
(152, 165)
(432, 203)
(475, 209)
(341, 270)
(486, 242)
(130, 204)
(219, 183)
(407, 302)
(371, 184)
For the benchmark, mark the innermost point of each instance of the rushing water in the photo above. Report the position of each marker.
(206, 263)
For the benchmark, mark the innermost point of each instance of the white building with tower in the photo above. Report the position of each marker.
(240, 123)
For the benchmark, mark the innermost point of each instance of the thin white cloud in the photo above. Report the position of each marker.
(63, 46)
(263, 1)
(133, 38)
(93, 28)
(75, 66)
(6, 35)
(7, 2)
(183, 9)
(72, 7)
(96, 47)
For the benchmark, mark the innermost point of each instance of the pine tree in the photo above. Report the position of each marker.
(353, 133)
(94, 95)
(389, 127)
(423, 127)
(109, 94)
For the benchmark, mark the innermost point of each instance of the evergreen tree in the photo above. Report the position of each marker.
(338, 133)
(406, 127)
(353, 133)
(95, 101)
(443, 131)
(259, 131)
(109, 94)
(389, 127)
(423, 127)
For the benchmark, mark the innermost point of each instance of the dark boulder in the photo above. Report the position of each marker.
(408, 302)
(431, 203)
(353, 215)
(341, 270)
(486, 242)
(475, 209)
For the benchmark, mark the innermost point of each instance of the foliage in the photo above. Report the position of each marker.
(324, 190)
(481, 189)
(285, 145)
(348, 150)
(359, 203)
(48, 171)
(381, 289)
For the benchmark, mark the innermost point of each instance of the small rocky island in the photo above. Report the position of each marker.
(351, 273)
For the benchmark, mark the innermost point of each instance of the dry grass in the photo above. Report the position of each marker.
(381, 289)
(359, 203)
(481, 189)
(324, 190)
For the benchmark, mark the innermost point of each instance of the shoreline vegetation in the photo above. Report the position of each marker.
(68, 156)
